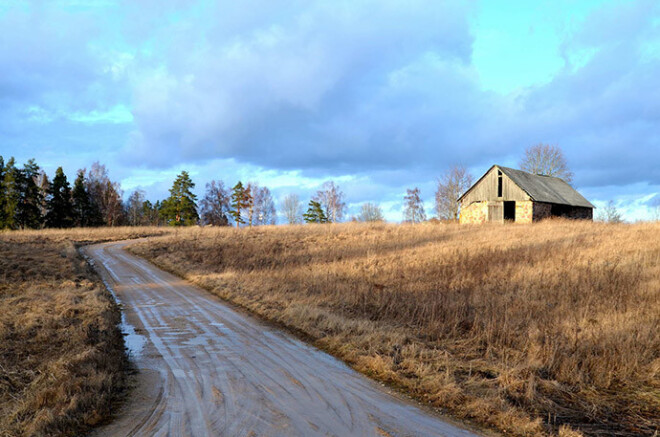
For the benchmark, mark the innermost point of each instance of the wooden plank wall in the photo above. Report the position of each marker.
(486, 189)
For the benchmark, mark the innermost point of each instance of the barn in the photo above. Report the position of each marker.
(504, 194)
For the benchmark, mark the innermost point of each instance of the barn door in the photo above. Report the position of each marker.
(495, 213)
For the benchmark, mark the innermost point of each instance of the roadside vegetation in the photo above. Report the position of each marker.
(550, 328)
(62, 357)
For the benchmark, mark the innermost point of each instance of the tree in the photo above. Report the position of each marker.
(451, 186)
(105, 196)
(135, 208)
(370, 212)
(315, 213)
(180, 209)
(292, 209)
(331, 199)
(249, 189)
(216, 209)
(3, 193)
(150, 213)
(610, 214)
(263, 207)
(547, 160)
(85, 213)
(413, 206)
(28, 211)
(59, 206)
(11, 194)
(240, 200)
(44, 185)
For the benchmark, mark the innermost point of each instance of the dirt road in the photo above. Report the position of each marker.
(209, 370)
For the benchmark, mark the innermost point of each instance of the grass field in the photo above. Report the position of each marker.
(61, 353)
(549, 328)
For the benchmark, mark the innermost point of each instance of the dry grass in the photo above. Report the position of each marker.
(538, 329)
(61, 352)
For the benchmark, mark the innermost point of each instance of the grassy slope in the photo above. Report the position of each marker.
(61, 352)
(528, 329)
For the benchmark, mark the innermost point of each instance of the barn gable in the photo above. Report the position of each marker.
(486, 188)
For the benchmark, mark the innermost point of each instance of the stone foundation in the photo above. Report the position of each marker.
(476, 212)
(524, 212)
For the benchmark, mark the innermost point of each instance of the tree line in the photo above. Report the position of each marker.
(28, 199)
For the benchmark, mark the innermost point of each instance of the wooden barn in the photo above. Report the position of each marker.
(504, 194)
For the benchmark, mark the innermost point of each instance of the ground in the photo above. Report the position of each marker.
(523, 328)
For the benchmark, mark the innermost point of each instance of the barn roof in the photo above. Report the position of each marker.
(542, 188)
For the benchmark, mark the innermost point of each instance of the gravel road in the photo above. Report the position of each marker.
(207, 369)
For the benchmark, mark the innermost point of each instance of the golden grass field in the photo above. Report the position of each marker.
(62, 357)
(550, 328)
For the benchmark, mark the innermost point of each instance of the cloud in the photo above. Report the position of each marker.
(376, 94)
(322, 88)
(118, 114)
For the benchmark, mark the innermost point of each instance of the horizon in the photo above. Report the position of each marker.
(376, 99)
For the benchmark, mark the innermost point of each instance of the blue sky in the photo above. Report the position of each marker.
(378, 95)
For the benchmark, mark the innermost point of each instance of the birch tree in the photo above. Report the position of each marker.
(291, 208)
(370, 212)
(263, 206)
(413, 206)
(548, 160)
(451, 186)
(331, 199)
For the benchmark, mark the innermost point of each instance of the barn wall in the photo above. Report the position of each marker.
(542, 211)
(582, 213)
(545, 210)
(486, 189)
(524, 212)
(476, 212)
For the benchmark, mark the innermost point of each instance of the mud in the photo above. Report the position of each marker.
(206, 369)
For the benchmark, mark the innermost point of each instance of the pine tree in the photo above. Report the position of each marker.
(11, 194)
(28, 211)
(60, 208)
(315, 213)
(82, 205)
(160, 217)
(240, 199)
(3, 193)
(150, 213)
(181, 207)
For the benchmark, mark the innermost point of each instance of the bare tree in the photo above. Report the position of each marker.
(263, 207)
(292, 209)
(610, 214)
(135, 208)
(331, 199)
(451, 186)
(105, 194)
(215, 204)
(370, 212)
(413, 206)
(548, 160)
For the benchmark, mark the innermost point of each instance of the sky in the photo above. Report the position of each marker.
(379, 96)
